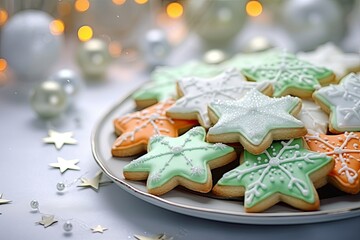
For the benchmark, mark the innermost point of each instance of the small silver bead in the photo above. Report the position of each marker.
(60, 186)
(34, 204)
(68, 226)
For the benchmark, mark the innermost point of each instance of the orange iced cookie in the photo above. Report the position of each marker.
(135, 129)
(345, 149)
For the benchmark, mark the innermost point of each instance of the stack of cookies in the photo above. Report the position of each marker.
(295, 119)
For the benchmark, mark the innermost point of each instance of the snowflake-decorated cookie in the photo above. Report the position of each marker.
(135, 129)
(289, 75)
(313, 117)
(255, 120)
(163, 84)
(247, 60)
(185, 161)
(331, 57)
(342, 102)
(197, 93)
(283, 172)
(345, 149)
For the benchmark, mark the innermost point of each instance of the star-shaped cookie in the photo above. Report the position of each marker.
(185, 161)
(342, 102)
(289, 75)
(345, 149)
(163, 84)
(283, 172)
(197, 93)
(255, 120)
(313, 117)
(136, 128)
(331, 57)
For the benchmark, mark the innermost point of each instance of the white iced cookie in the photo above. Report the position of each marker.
(196, 93)
(342, 102)
(330, 56)
(314, 119)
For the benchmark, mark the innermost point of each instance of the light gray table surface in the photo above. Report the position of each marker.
(25, 175)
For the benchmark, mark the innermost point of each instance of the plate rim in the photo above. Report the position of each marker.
(254, 218)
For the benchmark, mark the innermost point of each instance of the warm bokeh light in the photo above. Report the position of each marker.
(85, 33)
(115, 49)
(57, 27)
(82, 5)
(3, 16)
(3, 65)
(141, 1)
(119, 2)
(253, 8)
(174, 10)
(64, 8)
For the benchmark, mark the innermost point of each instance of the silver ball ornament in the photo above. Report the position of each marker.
(156, 47)
(215, 21)
(69, 81)
(93, 57)
(49, 99)
(28, 44)
(34, 204)
(313, 22)
(60, 186)
(68, 226)
(214, 56)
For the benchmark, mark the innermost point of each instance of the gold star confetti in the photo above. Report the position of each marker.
(47, 220)
(64, 165)
(98, 229)
(4, 201)
(93, 182)
(158, 237)
(59, 139)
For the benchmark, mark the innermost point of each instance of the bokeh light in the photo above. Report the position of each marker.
(85, 33)
(82, 5)
(57, 27)
(3, 16)
(174, 10)
(119, 2)
(141, 1)
(253, 8)
(115, 49)
(3, 65)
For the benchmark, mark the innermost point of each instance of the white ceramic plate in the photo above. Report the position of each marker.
(334, 206)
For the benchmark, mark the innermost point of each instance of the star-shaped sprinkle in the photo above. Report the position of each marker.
(98, 229)
(342, 102)
(3, 201)
(345, 149)
(331, 57)
(289, 75)
(284, 171)
(136, 128)
(255, 120)
(197, 93)
(313, 117)
(157, 237)
(163, 85)
(47, 220)
(64, 165)
(179, 161)
(94, 182)
(59, 139)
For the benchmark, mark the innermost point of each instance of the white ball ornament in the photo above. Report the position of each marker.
(93, 58)
(69, 81)
(28, 44)
(215, 21)
(313, 22)
(156, 47)
(49, 99)
(68, 226)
